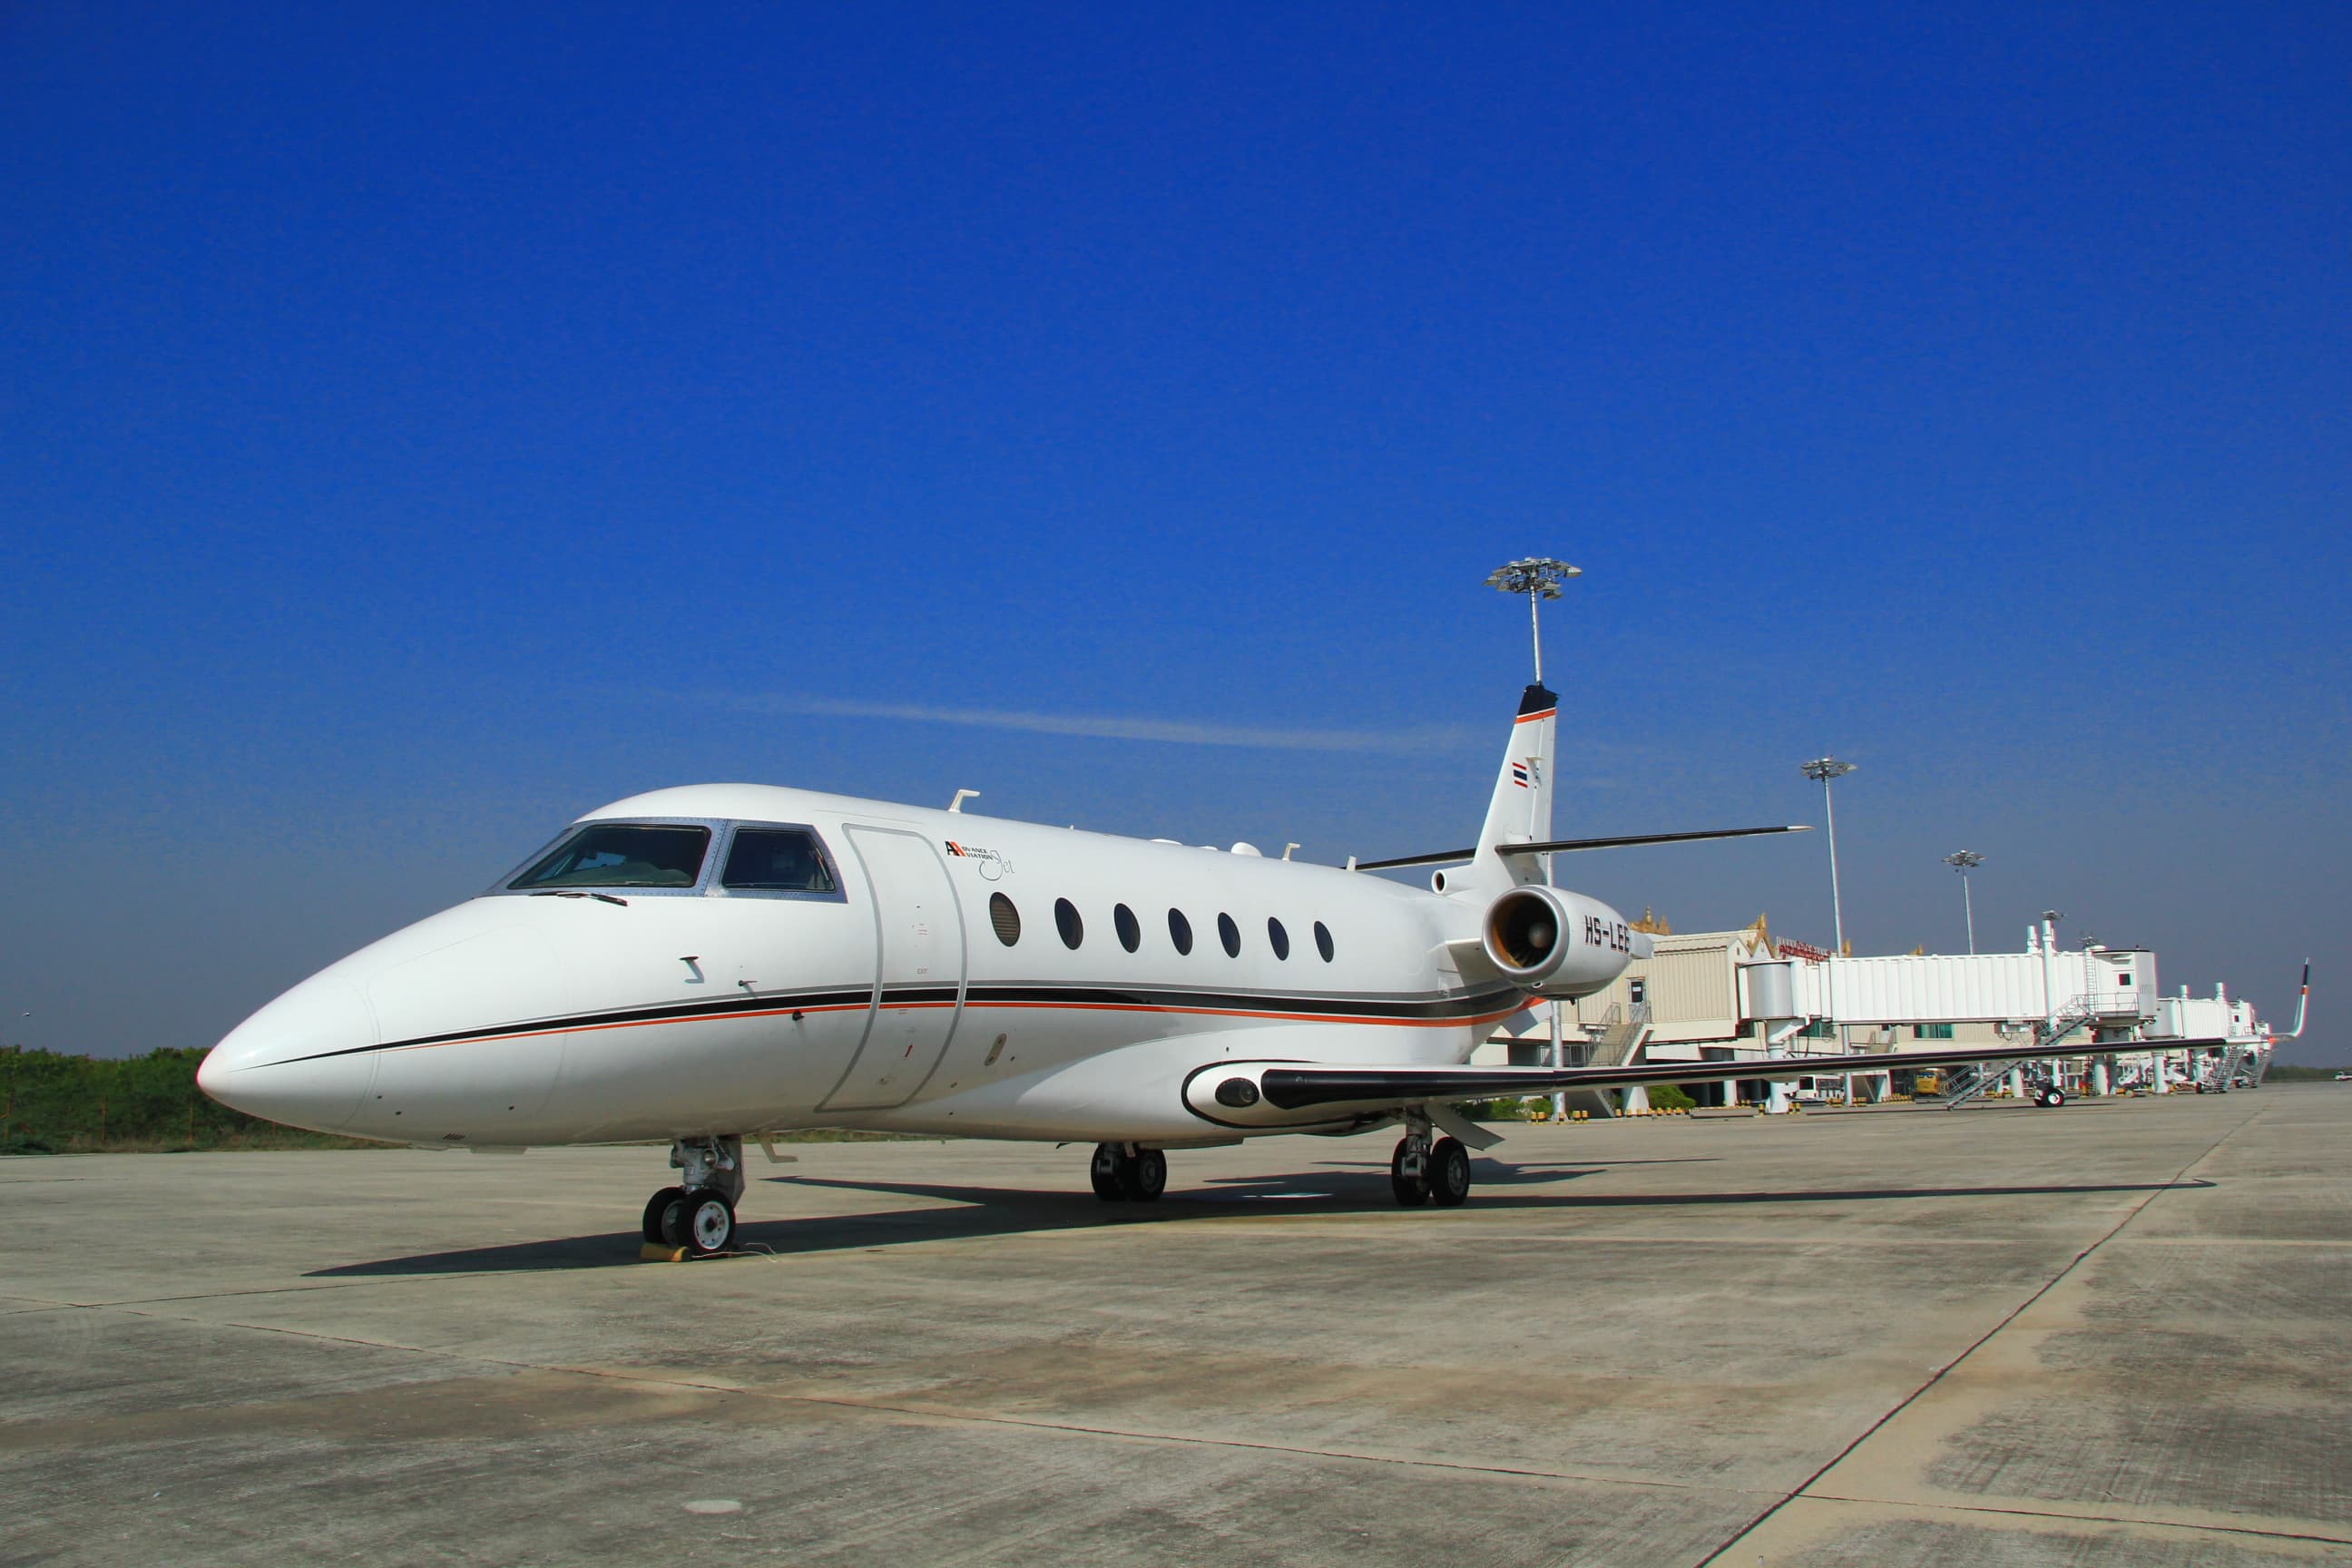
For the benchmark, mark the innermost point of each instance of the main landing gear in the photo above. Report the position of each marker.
(699, 1215)
(1125, 1173)
(2050, 1096)
(1421, 1170)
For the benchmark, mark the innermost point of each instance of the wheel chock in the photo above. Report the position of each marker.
(654, 1252)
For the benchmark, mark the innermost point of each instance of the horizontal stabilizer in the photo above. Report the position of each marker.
(1564, 846)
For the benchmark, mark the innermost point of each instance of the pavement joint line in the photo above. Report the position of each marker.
(1804, 1487)
(2232, 1241)
(1303, 1225)
(1353, 1456)
(2086, 1517)
(954, 1415)
(129, 1303)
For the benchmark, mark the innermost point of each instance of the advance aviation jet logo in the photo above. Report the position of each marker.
(991, 864)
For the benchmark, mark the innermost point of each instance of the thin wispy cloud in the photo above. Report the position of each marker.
(1114, 727)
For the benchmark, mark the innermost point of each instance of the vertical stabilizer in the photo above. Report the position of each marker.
(2302, 1006)
(1520, 809)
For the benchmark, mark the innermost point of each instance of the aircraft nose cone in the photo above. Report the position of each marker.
(303, 1060)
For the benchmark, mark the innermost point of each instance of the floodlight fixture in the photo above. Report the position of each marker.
(1963, 861)
(1538, 577)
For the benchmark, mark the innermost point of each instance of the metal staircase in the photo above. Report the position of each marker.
(1966, 1083)
(1625, 1030)
(2239, 1067)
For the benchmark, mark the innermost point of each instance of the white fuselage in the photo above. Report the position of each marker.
(890, 1000)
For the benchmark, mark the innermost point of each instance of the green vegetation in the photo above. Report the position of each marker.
(56, 1104)
(1517, 1107)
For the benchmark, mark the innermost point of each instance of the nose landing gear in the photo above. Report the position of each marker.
(1125, 1173)
(698, 1216)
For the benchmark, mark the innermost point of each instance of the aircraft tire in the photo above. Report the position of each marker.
(1107, 1171)
(1449, 1172)
(1144, 1177)
(703, 1223)
(655, 1207)
(2057, 1098)
(1411, 1192)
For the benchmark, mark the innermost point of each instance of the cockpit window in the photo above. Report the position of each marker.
(622, 855)
(776, 860)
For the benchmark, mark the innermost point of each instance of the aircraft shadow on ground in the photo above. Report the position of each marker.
(981, 1212)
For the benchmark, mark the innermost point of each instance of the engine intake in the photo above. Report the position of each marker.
(1555, 943)
(1524, 932)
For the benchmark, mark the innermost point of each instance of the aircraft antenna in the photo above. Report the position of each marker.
(1538, 577)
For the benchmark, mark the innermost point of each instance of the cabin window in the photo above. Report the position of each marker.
(621, 855)
(1278, 937)
(1130, 934)
(1931, 1031)
(1180, 930)
(1066, 922)
(1230, 934)
(1323, 940)
(776, 860)
(1004, 918)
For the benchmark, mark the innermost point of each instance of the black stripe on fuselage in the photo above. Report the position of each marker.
(1447, 1008)
(1462, 1005)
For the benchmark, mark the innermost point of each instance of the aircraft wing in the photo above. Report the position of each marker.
(1293, 1087)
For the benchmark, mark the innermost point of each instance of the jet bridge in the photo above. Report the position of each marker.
(1710, 997)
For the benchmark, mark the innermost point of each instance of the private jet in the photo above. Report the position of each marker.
(715, 962)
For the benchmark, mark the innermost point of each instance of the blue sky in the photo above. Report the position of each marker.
(418, 429)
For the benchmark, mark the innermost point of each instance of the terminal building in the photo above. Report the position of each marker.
(1729, 995)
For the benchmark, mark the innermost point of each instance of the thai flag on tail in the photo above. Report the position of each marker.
(1519, 774)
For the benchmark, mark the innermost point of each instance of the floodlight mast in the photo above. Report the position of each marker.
(1538, 577)
(1827, 769)
(1963, 861)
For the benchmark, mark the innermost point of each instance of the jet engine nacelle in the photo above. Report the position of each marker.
(1560, 944)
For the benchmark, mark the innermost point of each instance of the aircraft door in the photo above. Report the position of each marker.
(918, 970)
